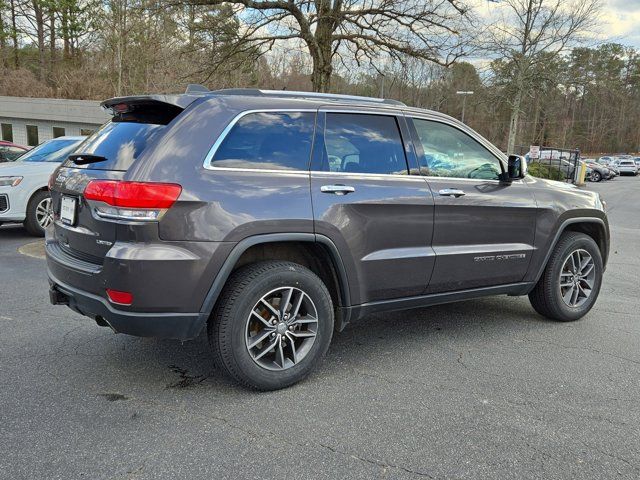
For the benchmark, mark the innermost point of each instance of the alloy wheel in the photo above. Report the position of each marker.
(281, 328)
(44, 215)
(577, 278)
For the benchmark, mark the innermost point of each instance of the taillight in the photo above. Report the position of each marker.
(131, 200)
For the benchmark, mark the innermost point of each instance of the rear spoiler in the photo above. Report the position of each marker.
(158, 101)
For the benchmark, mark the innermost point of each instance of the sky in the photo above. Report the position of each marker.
(620, 20)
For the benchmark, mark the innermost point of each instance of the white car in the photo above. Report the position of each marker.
(24, 194)
(627, 167)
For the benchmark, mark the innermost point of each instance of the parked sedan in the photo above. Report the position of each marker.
(611, 165)
(10, 151)
(597, 172)
(24, 195)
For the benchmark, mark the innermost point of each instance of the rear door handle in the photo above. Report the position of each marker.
(337, 189)
(451, 192)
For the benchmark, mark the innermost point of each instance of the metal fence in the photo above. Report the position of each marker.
(560, 162)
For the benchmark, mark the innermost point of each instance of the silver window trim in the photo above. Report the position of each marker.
(214, 148)
(330, 109)
(381, 176)
(208, 159)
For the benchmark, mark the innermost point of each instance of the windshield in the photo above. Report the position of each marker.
(51, 151)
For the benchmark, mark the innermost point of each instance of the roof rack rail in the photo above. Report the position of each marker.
(199, 89)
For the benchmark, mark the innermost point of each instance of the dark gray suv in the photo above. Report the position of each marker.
(274, 218)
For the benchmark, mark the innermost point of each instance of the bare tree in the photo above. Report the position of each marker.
(527, 32)
(3, 35)
(355, 30)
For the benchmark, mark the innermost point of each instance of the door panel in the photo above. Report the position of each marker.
(382, 223)
(483, 238)
(483, 228)
(385, 224)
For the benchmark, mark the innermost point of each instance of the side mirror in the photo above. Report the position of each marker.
(517, 167)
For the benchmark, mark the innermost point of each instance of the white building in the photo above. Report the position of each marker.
(30, 121)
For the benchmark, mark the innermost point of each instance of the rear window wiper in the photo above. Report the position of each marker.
(83, 159)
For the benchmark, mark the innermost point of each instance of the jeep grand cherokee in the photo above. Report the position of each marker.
(274, 218)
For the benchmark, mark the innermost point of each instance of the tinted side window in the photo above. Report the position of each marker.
(268, 141)
(449, 152)
(363, 143)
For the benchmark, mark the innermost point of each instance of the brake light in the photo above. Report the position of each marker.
(133, 194)
(131, 200)
(119, 297)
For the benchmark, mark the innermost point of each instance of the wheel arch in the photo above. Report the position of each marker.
(35, 191)
(316, 252)
(594, 227)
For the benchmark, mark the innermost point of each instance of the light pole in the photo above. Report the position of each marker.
(464, 100)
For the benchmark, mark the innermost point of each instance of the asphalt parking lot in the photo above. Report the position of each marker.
(479, 389)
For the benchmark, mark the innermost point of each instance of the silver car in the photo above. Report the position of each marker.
(628, 167)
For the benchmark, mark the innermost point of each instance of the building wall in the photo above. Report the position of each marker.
(45, 128)
(46, 113)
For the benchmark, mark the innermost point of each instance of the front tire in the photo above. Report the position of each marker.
(272, 324)
(39, 215)
(595, 176)
(571, 281)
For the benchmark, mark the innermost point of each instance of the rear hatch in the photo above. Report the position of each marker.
(106, 155)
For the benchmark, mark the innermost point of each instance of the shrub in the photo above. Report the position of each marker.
(545, 171)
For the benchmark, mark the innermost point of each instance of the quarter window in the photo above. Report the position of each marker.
(268, 141)
(363, 143)
(449, 152)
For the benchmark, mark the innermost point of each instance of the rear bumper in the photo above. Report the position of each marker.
(181, 326)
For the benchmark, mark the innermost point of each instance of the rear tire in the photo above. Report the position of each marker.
(39, 215)
(242, 318)
(595, 176)
(565, 293)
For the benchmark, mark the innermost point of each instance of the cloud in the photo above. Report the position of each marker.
(619, 20)
(624, 5)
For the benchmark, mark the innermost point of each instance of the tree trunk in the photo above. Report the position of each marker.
(513, 123)
(52, 38)
(37, 10)
(321, 76)
(321, 49)
(65, 33)
(3, 43)
(14, 35)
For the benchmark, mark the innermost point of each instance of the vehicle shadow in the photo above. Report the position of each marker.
(363, 343)
(14, 231)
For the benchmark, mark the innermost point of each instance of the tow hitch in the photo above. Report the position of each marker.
(56, 297)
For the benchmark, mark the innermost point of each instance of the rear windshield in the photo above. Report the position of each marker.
(119, 142)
